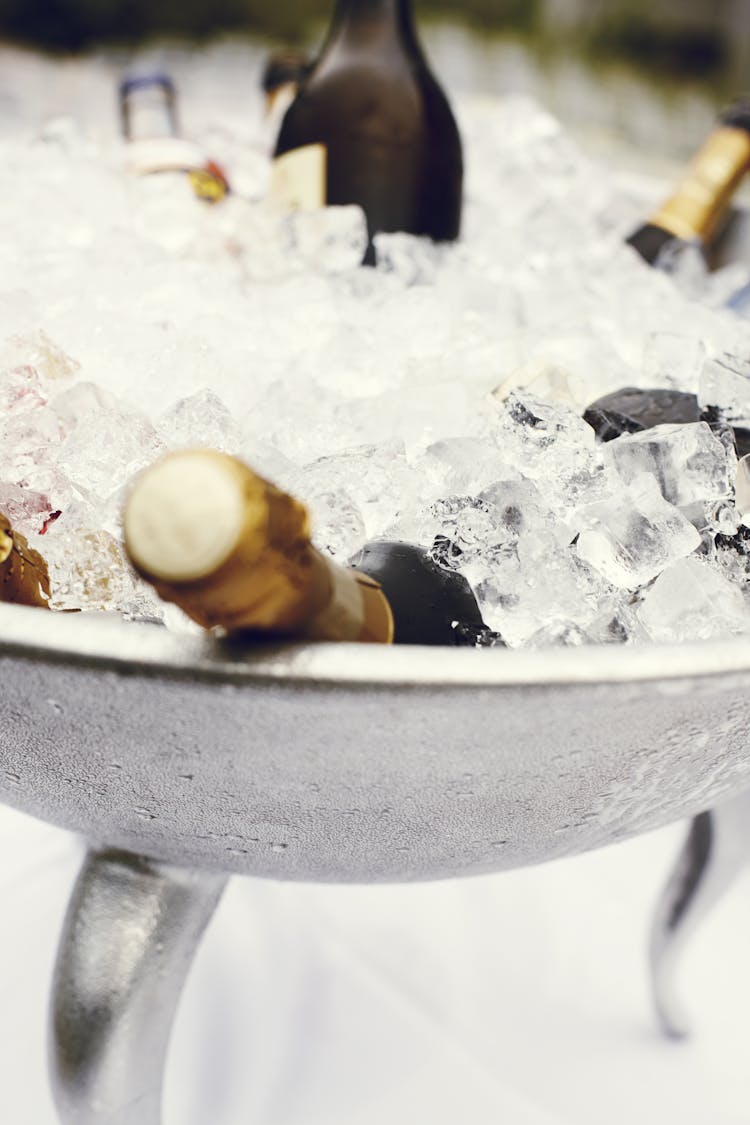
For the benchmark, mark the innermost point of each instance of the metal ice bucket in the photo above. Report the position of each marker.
(325, 762)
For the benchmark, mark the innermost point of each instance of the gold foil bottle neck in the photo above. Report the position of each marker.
(232, 550)
(696, 207)
(24, 578)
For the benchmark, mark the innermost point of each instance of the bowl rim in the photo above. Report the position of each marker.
(106, 642)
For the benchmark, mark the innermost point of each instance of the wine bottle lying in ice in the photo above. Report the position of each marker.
(23, 572)
(695, 210)
(148, 115)
(371, 126)
(234, 551)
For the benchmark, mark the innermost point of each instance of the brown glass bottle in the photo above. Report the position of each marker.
(694, 212)
(23, 572)
(371, 126)
(234, 551)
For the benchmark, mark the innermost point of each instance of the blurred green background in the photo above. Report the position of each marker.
(689, 39)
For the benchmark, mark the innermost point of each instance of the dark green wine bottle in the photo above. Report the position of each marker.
(371, 126)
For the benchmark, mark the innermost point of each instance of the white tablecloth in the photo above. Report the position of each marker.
(518, 999)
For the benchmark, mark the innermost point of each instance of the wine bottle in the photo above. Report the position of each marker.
(23, 572)
(148, 114)
(232, 550)
(371, 126)
(696, 208)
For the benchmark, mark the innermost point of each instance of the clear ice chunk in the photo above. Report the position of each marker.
(742, 487)
(552, 444)
(88, 570)
(330, 240)
(725, 386)
(689, 463)
(363, 487)
(200, 420)
(541, 586)
(547, 380)
(635, 535)
(106, 441)
(35, 351)
(413, 261)
(673, 360)
(691, 600)
(27, 510)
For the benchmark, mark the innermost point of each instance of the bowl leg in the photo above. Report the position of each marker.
(716, 850)
(128, 940)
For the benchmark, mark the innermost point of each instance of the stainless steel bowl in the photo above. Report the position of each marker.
(359, 763)
(183, 759)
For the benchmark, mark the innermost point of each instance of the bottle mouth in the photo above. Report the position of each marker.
(187, 514)
(131, 83)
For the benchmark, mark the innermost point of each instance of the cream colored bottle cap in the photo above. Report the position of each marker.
(185, 516)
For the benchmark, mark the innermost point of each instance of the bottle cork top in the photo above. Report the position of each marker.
(187, 514)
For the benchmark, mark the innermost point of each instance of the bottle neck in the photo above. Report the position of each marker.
(696, 208)
(359, 24)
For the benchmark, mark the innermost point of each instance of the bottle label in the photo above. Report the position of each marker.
(343, 617)
(697, 205)
(298, 178)
(357, 610)
(209, 183)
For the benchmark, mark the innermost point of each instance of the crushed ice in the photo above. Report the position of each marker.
(137, 319)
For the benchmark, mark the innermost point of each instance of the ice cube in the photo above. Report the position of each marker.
(330, 240)
(673, 360)
(634, 536)
(689, 463)
(552, 444)
(338, 528)
(107, 442)
(547, 380)
(692, 600)
(88, 570)
(413, 261)
(366, 480)
(27, 510)
(725, 385)
(200, 420)
(462, 465)
(551, 591)
(742, 487)
(20, 390)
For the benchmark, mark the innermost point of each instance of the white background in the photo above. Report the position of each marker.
(518, 999)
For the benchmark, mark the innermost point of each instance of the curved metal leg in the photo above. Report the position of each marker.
(129, 937)
(717, 848)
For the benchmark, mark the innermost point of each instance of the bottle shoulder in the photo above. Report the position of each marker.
(393, 104)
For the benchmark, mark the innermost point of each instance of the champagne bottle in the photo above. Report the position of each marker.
(234, 551)
(371, 126)
(23, 571)
(148, 114)
(695, 210)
